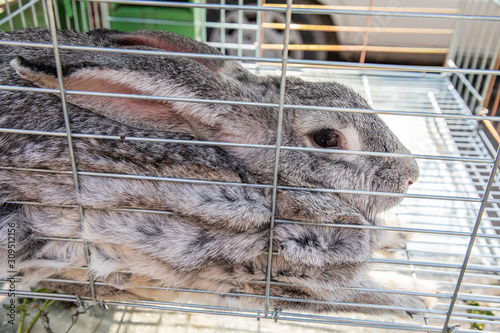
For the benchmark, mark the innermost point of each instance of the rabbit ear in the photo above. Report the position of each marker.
(202, 120)
(143, 113)
(165, 41)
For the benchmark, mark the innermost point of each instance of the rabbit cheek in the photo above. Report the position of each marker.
(351, 138)
(392, 175)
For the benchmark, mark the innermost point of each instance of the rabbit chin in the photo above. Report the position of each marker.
(371, 205)
(377, 207)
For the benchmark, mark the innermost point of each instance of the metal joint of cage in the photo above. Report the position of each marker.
(79, 302)
(276, 314)
(451, 328)
(336, 64)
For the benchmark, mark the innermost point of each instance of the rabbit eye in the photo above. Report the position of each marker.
(327, 138)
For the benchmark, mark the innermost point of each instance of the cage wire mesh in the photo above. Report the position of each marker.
(428, 68)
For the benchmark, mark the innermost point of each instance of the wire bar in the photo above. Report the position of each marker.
(471, 241)
(277, 154)
(53, 32)
(280, 187)
(449, 221)
(275, 8)
(269, 105)
(245, 145)
(291, 62)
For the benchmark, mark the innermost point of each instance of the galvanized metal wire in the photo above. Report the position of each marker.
(453, 211)
(53, 31)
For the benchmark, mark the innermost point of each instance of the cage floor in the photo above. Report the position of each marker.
(439, 215)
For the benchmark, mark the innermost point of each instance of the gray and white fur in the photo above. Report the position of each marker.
(217, 237)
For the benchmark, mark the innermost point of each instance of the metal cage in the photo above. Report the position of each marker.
(429, 71)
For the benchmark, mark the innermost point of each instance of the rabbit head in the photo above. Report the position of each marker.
(198, 92)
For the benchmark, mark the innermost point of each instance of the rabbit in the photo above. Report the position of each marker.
(205, 209)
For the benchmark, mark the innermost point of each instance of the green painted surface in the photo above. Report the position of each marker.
(78, 15)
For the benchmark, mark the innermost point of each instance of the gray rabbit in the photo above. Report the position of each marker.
(214, 234)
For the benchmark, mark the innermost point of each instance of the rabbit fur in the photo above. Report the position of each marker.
(215, 236)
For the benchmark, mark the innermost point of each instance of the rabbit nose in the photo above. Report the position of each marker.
(412, 180)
